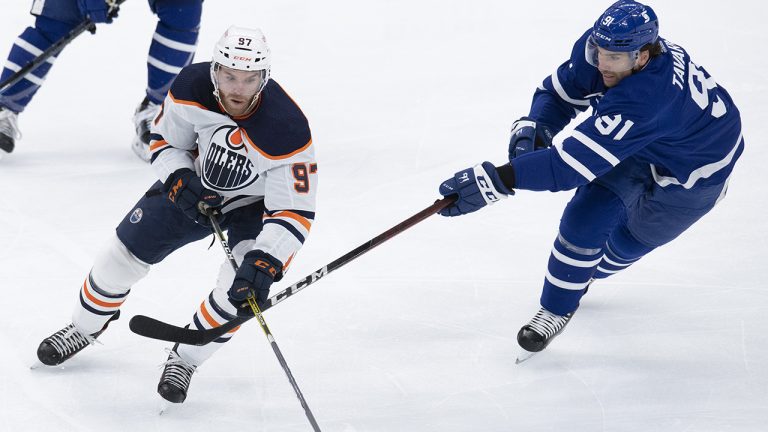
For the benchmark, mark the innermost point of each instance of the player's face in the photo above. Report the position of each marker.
(237, 89)
(615, 66)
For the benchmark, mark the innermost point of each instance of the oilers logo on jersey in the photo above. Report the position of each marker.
(226, 166)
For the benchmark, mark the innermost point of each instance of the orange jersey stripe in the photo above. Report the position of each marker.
(210, 320)
(269, 156)
(97, 301)
(298, 218)
(186, 102)
(288, 262)
(208, 316)
(157, 144)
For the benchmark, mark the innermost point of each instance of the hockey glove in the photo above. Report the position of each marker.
(185, 189)
(254, 277)
(527, 136)
(476, 187)
(99, 11)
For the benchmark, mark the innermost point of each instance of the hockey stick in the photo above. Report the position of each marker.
(155, 329)
(260, 318)
(51, 51)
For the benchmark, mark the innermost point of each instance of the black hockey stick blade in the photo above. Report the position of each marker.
(156, 329)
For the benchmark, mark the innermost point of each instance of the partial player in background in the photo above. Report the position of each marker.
(655, 156)
(173, 47)
(227, 138)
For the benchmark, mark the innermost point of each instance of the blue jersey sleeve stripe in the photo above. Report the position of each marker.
(306, 214)
(288, 226)
(562, 93)
(595, 147)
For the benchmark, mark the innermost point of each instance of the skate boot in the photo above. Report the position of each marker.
(9, 131)
(176, 377)
(539, 332)
(142, 121)
(65, 343)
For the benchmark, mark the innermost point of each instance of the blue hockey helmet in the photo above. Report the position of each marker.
(619, 34)
(626, 26)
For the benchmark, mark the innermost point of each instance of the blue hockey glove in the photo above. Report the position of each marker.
(527, 136)
(98, 10)
(254, 277)
(476, 187)
(185, 189)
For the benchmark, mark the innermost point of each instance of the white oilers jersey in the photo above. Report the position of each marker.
(267, 155)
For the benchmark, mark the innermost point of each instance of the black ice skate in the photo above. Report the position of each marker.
(65, 343)
(539, 332)
(176, 377)
(142, 121)
(9, 131)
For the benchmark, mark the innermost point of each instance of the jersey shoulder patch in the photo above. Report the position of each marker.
(193, 86)
(278, 128)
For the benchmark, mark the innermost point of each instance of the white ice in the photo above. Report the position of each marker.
(419, 334)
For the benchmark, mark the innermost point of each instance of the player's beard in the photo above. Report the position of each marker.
(238, 105)
(611, 79)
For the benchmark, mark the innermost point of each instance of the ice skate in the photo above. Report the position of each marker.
(175, 380)
(539, 332)
(142, 120)
(9, 131)
(65, 343)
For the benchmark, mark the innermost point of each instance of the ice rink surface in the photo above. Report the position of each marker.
(419, 334)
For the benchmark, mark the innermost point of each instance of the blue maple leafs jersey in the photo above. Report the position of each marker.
(672, 115)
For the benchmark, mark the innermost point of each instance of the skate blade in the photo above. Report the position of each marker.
(164, 405)
(37, 365)
(523, 356)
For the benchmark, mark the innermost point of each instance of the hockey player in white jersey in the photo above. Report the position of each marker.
(655, 156)
(173, 46)
(227, 137)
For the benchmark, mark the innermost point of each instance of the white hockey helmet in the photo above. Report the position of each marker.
(242, 49)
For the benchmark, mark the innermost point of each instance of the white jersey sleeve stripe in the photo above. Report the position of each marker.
(566, 285)
(595, 147)
(178, 46)
(165, 67)
(29, 76)
(574, 262)
(563, 95)
(600, 269)
(28, 47)
(616, 264)
(699, 173)
(573, 163)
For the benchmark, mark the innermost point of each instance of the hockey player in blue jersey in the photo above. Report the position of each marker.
(655, 156)
(227, 137)
(173, 47)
